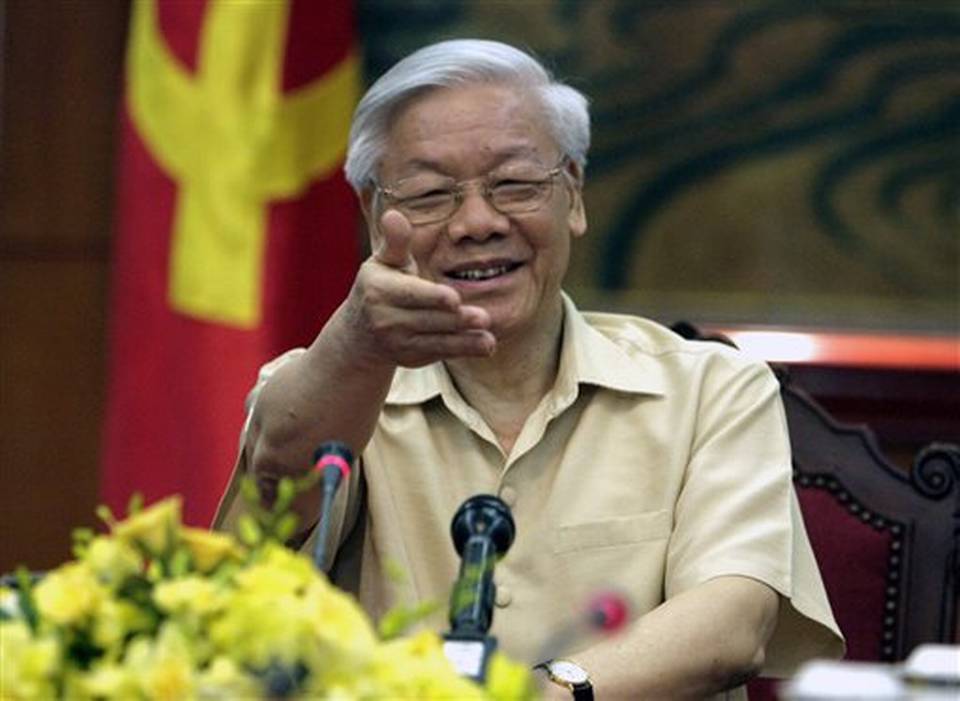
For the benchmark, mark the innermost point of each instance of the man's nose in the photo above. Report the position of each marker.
(476, 218)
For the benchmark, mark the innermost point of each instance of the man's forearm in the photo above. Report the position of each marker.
(704, 641)
(322, 394)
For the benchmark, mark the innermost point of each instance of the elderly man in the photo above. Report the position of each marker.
(630, 457)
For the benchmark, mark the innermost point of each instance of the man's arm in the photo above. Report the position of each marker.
(336, 389)
(701, 642)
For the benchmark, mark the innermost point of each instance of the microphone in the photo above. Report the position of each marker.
(332, 460)
(606, 612)
(482, 531)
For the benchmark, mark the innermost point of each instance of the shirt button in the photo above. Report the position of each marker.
(504, 596)
(509, 496)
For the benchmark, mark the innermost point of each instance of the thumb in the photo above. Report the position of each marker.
(393, 248)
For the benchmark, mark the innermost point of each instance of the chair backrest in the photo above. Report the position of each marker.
(887, 540)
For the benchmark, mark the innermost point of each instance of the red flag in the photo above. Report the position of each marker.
(236, 230)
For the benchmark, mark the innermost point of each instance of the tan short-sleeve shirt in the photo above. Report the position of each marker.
(653, 465)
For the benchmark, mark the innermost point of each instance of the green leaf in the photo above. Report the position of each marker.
(82, 535)
(249, 531)
(395, 572)
(179, 562)
(135, 505)
(104, 513)
(25, 600)
(155, 571)
(400, 618)
(249, 490)
(286, 491)
(81, 649)
(286, 527)
(306, 482)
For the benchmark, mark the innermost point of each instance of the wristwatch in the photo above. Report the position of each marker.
(570, 675)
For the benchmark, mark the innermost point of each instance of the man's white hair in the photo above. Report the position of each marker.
(461, 62)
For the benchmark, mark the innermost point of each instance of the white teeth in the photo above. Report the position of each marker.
(484, 274)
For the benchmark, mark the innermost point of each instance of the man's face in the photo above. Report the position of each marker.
(512, 265)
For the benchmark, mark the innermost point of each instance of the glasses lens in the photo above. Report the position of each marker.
(424, 201)
(519, 195)
(431, 207)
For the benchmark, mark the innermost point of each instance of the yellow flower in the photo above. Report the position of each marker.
(115, 620)
(415, 667)
(163, 668)
(156, 527)
(189, 594)
(69, 595)
(510, 681)
(336, 616)
(224, 679)
(28, 665)
(209, 548)
(112, 560)
(176, 624)
(258, 629)
(277, 571)
(106, 680)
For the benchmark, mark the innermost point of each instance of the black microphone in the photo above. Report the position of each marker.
(482, 532)
(333, 460)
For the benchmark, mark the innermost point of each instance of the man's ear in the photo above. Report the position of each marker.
(577, 216)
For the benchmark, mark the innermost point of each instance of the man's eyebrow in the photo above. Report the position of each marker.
(421, 166)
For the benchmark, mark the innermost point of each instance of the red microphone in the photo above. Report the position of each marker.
(332, 461)
(606, 612)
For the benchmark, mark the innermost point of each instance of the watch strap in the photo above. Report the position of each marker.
(582, 691)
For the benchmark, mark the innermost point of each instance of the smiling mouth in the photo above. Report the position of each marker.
(484, 273)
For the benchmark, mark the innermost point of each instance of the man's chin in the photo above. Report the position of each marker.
(509, 320)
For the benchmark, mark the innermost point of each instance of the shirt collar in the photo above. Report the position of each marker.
(587, 356)
(591, 357)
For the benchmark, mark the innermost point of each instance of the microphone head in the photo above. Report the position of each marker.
(486, 515)
(333, 453)
(607, 611)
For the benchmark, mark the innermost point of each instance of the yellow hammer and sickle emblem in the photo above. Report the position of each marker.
(233, 143)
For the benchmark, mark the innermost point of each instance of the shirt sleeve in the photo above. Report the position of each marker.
(737, 513)
(232, 505)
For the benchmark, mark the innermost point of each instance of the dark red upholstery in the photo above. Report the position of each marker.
(854, 571)
(853, 557)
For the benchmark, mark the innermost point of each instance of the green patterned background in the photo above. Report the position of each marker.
(766, 162)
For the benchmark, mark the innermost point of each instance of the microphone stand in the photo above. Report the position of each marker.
(482, 532)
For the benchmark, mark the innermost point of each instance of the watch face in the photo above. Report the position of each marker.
(568, 672)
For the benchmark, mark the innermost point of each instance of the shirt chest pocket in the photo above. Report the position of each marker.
(612, 532)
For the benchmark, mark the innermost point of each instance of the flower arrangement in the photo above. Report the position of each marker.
(154, 609)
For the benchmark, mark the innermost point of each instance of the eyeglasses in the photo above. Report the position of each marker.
(431, 199)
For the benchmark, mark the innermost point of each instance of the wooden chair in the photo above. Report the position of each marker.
(887, 540)
(893, 575)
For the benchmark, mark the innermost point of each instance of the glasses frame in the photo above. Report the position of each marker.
(485, 188)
